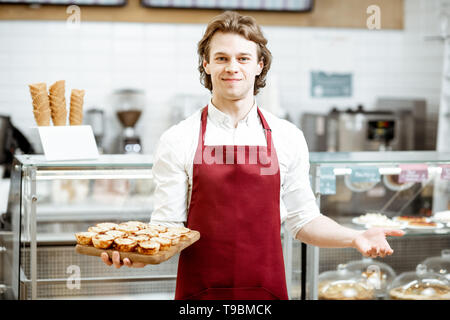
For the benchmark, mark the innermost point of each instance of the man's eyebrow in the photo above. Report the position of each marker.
(225, 54)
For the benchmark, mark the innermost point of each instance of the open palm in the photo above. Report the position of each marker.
(373, 243)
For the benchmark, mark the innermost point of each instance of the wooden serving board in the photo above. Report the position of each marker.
(157, 258)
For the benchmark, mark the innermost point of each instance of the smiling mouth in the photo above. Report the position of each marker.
(231, 80)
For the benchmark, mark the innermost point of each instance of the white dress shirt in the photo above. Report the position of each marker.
(174, 157)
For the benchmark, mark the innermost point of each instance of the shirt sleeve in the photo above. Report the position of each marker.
(171, 184)
(298, 196)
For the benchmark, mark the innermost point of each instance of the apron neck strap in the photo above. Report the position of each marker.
(267, 130)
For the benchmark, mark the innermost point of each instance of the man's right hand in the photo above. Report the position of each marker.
(117, 263)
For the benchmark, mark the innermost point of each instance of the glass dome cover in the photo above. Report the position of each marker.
(343, 284)
(420, 285)
(440, 264)
(378, 274)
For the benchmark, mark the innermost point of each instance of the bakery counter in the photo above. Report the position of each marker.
(408, 190)
(50, 201)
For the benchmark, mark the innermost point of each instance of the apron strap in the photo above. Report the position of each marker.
(267, 130)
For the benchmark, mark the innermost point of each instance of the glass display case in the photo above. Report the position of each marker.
(344, 284)
(409, 190)
(50, 201)
(439, 264)
(420, 284)
(378, 274)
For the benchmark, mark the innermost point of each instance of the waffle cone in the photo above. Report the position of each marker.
(59, 116)
(41, 105)
(76, 107)
(58, 103)
(37, 88)
(41, 102)
(58, 88)
(42, 117)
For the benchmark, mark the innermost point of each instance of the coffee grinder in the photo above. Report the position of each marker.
(129, 104)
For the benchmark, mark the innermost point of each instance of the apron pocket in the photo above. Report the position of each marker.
(242, 293)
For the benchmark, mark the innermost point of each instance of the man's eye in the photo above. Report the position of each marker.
(220, 59)
(244, 59)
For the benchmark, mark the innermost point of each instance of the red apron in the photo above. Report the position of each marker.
(236, 209)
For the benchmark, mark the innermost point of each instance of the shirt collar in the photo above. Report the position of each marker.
(222, 119)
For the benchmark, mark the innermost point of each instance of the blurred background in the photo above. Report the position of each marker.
(331, 65)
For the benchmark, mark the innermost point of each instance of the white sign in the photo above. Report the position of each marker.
(68, 143)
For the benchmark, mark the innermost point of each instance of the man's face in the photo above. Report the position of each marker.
(233, 66)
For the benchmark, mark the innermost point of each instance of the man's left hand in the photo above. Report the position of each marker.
(372, 243)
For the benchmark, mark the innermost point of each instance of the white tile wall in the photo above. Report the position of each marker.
(161, 59)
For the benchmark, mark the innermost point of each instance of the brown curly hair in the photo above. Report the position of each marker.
(246, 26)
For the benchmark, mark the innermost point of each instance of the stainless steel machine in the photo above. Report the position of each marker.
(394, 125)
(95, 117)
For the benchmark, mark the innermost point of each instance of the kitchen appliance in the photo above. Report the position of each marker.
(129, 104)
(377, 130)
(394, 125)
(315, 127)
(96, 119)
(414, 118)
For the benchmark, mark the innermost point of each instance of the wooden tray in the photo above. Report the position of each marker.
(157, 258)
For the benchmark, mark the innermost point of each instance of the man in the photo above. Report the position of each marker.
(234, 172)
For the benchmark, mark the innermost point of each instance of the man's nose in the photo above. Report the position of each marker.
(232, 66)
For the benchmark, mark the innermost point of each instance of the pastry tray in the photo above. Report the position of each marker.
(156, 258)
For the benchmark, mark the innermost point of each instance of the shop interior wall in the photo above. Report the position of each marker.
(161, 59)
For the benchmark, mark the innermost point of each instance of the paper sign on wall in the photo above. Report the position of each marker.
(327, 85)
(413, 173)
(68, 143)
(327, 181)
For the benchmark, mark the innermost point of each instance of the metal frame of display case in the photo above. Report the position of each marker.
(387, 163)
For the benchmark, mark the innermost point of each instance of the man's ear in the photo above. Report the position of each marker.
(260, 66)
(206, 66)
